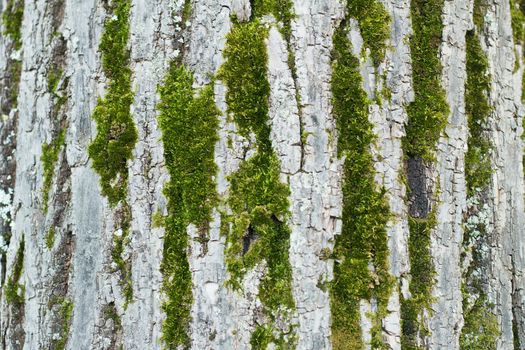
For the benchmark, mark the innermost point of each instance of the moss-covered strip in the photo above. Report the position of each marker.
(14, 291)
(50, 238)
(282, 10)
(12, 19)
(477, 161)
(257, 229)
(374, 22)
(189, 127)
(116, 133)
(421, 284)
(120, 240)
(481, 328)
(361, 270)
(517, 12)
(49, 158)
(427, 115)
(427, 118)
(65, 313)
(15, 72)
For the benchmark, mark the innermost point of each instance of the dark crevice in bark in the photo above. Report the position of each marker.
(420, 186)
(518, 311)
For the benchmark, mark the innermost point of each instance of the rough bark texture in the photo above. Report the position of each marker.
(81, 271)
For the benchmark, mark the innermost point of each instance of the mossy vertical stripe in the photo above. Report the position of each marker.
(189, 127)
(257, 229)
(427, 118)
(363, 242)
(116, 132)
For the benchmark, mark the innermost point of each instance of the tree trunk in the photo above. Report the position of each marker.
(258, 174)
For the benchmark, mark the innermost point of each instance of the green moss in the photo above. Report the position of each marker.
(12, 20)
(481, 329)
(14, 291)
(49, 158)
(109, 312)
(158, 220)
(53, 78)
(477, 161)
(15, 72)
(428, 114)
(515, 333)
(120, 241)
(256, 230)
(427, 118)
(282, 10)
(50, 238)
(244, 71)
(189, 127)
(261, 338)
(374, 22)
(65, 313)
(116, 133)
(423, 273)
(479, 11)
(186, 11)
(363, 242)
(517, 13)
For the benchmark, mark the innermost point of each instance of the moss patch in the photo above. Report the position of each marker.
(422, 272)
(14, 68)
(477, 161)
(517, 12)
(361, 270)
(120, 240)
(65, 313)
(53, 78)
(189, 127)
(481, 328)
(256, 230)
(12, 20)
(427, 115)
(50, 238)
(14, 291)
(374, 22)
(49, 158)
(427, 118)
(116, 133)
